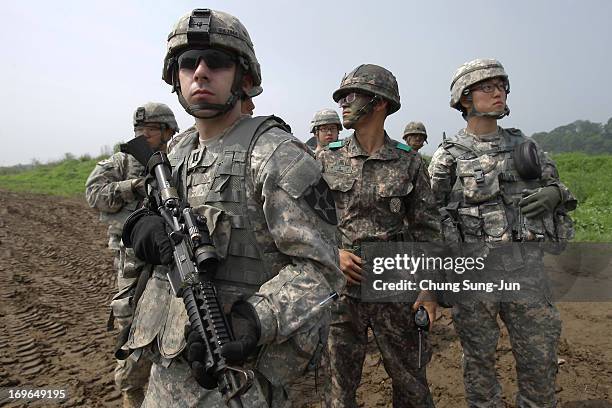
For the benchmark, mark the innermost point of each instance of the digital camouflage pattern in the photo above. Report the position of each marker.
(175, 387)
(325, 117)
(478, 175)
(277, 251)
(380, 197)
(471, 73)
(177, 138)
(534, 329)
(397, 338)
(115, 187)
(154, 112)
(373, 80)
(474, 179)
(211, 29)
(415, 128)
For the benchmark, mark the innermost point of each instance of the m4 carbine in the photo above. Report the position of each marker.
(191, 275)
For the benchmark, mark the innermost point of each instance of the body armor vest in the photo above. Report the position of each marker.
(216, 186)
(487, 189)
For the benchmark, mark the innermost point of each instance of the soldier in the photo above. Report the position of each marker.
(248, 106)
(480, 178)
(115, 187)
(272, 221)
(415, 135)
(379, 186)
(325, 126)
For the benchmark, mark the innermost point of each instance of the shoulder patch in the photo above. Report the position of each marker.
(321, 200)
(402, 146)
(336, 145)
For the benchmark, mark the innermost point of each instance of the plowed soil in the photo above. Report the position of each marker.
(56, 281)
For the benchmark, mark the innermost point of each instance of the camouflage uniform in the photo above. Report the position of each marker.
(176, 139)
(109, 190)
(477, 184)
(380, 197)
(272, 221)
(116, 187)
(414, 128)
(321, 118)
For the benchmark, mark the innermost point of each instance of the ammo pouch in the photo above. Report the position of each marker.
(449, 223)
(282, 364)
(121, 307)
(485, 223)
(479, 179)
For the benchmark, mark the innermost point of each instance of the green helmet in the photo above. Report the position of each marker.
(153, 112)
(415, 128)
(471, 73)
(205, 28)
(325, 117)
(371, 79)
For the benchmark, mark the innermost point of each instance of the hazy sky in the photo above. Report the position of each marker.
(73, 72)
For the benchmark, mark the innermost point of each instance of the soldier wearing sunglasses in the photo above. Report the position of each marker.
(272, 221)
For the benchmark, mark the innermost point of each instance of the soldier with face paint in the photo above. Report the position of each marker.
(382, 194)
(496, 186)
(115, 187)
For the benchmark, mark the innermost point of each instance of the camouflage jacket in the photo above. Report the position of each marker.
(380, 197)
(109, 190)
(276, 250)
(476, 180)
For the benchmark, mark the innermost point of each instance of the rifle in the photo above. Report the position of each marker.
(195, 263)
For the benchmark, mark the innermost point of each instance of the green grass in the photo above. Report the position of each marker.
(64, 178)
(588, 177)
(590, 180)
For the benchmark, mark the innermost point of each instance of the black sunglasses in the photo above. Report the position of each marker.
(214, 59)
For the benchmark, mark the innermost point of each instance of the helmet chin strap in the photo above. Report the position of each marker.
(221, 109)
(365, 109)
(493, 114)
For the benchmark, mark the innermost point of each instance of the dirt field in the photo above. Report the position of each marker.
(56, 281)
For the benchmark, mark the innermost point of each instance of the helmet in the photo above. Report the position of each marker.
(325, 117)
(471, 73)
(152, 112)
(371, 79)
(205, 28)
(413, 128)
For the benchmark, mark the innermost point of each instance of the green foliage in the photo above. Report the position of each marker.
(588, 177)
(63, 178)
(579, 136)
(590, 180)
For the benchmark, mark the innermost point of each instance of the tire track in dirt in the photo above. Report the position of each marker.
(56, 281)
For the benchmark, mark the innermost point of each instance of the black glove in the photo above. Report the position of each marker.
(247, 330)
(196, 355)
(150, 240)
(544, 200)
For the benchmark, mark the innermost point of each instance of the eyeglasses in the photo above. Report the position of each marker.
(490, 87)
(328, 129)
(151, 129)
(214, 59)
